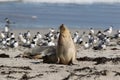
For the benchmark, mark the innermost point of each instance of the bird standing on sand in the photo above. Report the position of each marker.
(32, 45)
(2, 35)
(80, 40)
(28, 42)
(12, 41)
(107, 40)
(118, 34)
(92, 31)
(4, 42)
(52, 30)
(52, 38)
(108, 31)
(15, 44)
(57, 35)
(76, 37)
(12, 35)
(39, 36)
(35, 39)
(28, 35)
(86, 45)
(103, 46)
(6, 29)
(51, 43)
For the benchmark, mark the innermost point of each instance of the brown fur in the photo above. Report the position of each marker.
(66, 52)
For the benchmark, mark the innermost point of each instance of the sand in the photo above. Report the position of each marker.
(92, 64)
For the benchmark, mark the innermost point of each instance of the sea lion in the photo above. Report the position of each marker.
(39, 52)
(65, 52)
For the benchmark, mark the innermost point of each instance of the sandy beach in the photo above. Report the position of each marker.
(91, 65)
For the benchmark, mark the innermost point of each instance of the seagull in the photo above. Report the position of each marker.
(21, 38)
(15, 44)
(52, 38)
(90, 38)
(4, 44)
(100, 35)
(118, 31)
(86, 45)
(8, 38)
(95, 40)
(92, 31)
(108, 31)
(43, 42)
(12, 41)
(39, 36)
(32, 45)
(2, 35)
(76, 37)
(52, 30)
(117, 35)
(4, 41)
(50, 34)
(28, 35)
(57, 35)
(107, 40)
(103, 46)
(12, 35)
(6, 29)
(80, 40)
(28, 42)
(51, 43)
(35, 39)
(8, 43)
(100, 46)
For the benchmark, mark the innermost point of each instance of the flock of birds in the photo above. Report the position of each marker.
(97, 41)
(9, 40)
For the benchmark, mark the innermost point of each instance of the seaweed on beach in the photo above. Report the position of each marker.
(115, 49)
(11, 77)
(116, 73)
(100, 60)
(90, 74)
(3, 55)
(21, 67)
(26, 77)
(84, 69)
(12, 71)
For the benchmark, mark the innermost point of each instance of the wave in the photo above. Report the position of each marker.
(8, 0)
(74, 1)
(69, 1)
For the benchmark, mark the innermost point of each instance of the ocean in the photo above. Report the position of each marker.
(46, 15)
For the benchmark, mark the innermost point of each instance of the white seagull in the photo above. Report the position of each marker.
(76, 37)
(108, 31)
(28, 35)
(6, 29)
(51, 43)
(92, 31)
(15, 45)
(2, 35)
(86, 45)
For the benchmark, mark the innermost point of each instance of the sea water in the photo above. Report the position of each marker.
(46, 15)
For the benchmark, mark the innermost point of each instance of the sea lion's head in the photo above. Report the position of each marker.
(63, 29)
